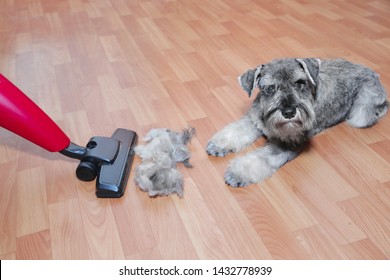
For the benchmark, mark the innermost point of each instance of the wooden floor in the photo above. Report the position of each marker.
(95, 65)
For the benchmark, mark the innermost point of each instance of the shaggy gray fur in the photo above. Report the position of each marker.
(298, 98)
(157, 173)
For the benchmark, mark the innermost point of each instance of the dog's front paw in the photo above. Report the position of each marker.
(215, 149)
(246, 170)
(235, 179)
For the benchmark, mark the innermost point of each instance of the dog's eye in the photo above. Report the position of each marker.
(270, 89)
(301, 82)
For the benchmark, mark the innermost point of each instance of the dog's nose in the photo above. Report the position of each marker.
(288, 112)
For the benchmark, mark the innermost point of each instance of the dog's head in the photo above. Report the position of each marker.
(285, 103)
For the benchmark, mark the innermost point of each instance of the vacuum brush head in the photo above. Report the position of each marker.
(107, 158)
(112, 179)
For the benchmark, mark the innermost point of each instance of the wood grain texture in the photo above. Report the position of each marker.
(93, 66)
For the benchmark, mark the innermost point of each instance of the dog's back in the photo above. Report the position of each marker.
(348, 91)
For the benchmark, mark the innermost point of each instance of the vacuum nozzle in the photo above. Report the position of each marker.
(107, 158)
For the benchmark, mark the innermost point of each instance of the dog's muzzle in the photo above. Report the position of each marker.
(289, 112)
(289, 117)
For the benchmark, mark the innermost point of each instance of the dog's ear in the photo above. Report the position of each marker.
(311, 66)
(250, 79)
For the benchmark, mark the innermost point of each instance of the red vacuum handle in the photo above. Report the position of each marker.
(21, 115)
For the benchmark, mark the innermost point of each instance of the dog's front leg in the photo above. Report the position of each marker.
(233, 137)
(256, 166)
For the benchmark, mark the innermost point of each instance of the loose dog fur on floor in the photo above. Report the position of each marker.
(157, 174)
(298, 98)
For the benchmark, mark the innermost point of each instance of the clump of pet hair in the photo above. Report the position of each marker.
(163, 149)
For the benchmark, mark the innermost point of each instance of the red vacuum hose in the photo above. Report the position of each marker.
(21, 115)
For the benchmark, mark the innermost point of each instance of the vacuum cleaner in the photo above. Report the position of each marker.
(107, 158)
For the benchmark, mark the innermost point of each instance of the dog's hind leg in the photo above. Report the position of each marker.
(233, 137)
(258, 165)
(370, 105)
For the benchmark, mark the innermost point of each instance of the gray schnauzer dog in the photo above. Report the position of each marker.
(298, 98)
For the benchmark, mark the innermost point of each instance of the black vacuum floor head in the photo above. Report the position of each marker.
(107, 158)
(112, 178)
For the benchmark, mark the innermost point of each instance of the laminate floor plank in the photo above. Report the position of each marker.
(94, 66)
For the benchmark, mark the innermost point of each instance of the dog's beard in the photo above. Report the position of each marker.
(289, 129)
